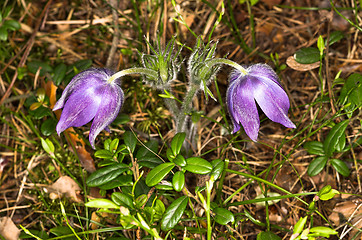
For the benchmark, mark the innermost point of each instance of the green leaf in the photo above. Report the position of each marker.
(198, 165)
(267, 236)
(299, 226)
(314, 147)
(148, 150)
(106, 174)
(40, 112)
(114, 145)
(3, 34)
(47, 146)
(48, 126)
(59, 73)
(180, 160)
(327, 193)
(335, 37)
(101, 203)
(320, 45)
(217, 168)
(174, 213)
(150, 162)
(104, 154)
(120, 181)
(158, 173)
(121, 119)
(61, 231)
(177, 142)
(335, 139)
(307, 55)
(340, 167)
(323, 230)
(130, 141)
(140, 201)
(317, 165)
(122, 199)
(352, 90)
(223, 216)
(12, 25)
(35, 65)
(178, 181)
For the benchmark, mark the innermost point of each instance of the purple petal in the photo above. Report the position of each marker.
(264, 73)
(242, 107)
(80, 108)
(273, 100)
(112, 100)
(89, 77)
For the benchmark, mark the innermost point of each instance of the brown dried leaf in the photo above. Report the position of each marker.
(65, 186)
(8, 229)
(345, 209)
(301, 67)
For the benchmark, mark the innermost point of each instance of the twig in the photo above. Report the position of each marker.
(115, 40)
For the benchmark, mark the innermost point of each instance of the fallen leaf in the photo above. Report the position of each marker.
(299, 66)
(344, 210)
(8, 229)
(65, 186)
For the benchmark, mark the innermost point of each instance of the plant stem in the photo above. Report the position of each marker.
(186, 108)
(129, 71)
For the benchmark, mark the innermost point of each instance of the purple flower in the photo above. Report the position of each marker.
(90, 96)
(260, 84)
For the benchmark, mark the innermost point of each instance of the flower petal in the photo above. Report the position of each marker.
(242, 107)
(80, 108)
(89, 77)
(273, 100)
(112, 100)
(264, 73)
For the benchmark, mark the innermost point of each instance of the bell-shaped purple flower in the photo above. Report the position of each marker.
(90, 96)
(261, 84)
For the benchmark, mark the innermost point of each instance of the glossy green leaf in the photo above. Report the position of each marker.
(299, 226)
(335, 138)
(158, 173)
(114, 145)
(198, 165)
(104, 154)
(327, 193)
(307, 55)
(352, 90)
(130, 140)
(47, 128)
(179, 160)
(12, 24)
(61, 231)
(267, 236)
(178, 181)
(174, 213)
(320, 44)
(120, 181)
(217, 168)
(106, 174)
(47, 146)
(324, 230)
(140, 201)
(150, 162)
(340, 166)
(335, 37)
(223, 216)
(101, 203)
(59, 73)
(148, 150)
(317, 165)
(35, 65)
(314, 147)
(177, 142)
(3, 34)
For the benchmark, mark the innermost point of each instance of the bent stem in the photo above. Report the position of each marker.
(151, 73)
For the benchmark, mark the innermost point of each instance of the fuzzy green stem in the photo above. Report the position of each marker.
(209, 186)
(129, 71)
(217, 61)
(186, 107)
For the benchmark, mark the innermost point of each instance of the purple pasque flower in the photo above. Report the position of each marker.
(90, 96)
(261, 84)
